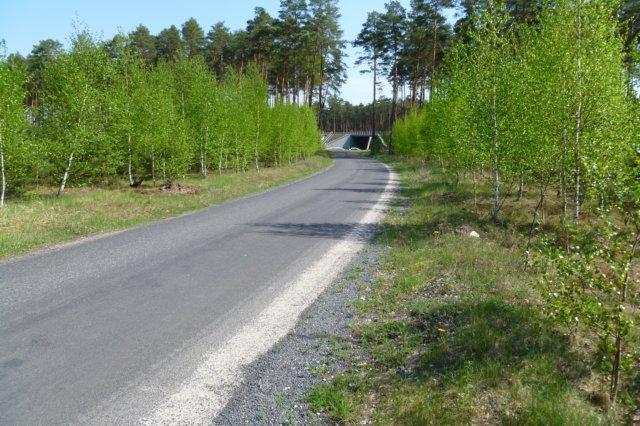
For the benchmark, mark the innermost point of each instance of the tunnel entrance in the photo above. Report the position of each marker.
(360, 142)
(348, 141)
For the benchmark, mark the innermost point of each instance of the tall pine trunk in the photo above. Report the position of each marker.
(435, 51)
(414, 85)
(320, 85)
(373, 104)
(394, 103)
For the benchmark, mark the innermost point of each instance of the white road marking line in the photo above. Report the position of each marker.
(201, 397)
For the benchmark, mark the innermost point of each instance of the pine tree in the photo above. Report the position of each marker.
(169, 44)
(326, 68)
(41, 55)
(144, 43)
(219, 53)
(371, 40)
(394, 21)
(193, 38)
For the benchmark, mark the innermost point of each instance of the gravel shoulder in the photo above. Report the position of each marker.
(280, 380)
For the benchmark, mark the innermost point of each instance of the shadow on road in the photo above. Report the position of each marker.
(331, 231)
(359, 190)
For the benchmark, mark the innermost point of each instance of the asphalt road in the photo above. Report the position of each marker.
(104, 330)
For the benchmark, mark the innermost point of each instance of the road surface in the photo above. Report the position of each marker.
(154, 324)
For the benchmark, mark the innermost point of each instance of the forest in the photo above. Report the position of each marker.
(510, 290)
(544, 104)
(152, 108)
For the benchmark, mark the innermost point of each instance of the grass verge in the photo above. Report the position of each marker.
(40, 219)
(452, 331)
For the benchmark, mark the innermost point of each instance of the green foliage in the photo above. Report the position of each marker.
(74, 113)
(105, 113)
(592, 284)
(294, 132)
(542, 98)
(14, 156)
(536, 103)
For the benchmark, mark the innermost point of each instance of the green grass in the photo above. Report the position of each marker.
(332, 400)
(452, 331)
(40, 219)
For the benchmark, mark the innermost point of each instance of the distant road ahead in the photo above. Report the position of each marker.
(136, 325)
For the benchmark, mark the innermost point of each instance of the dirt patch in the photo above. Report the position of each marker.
(177, 188)
(169, 189)
(445, 228)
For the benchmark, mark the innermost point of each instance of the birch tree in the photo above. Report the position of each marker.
(73, 104)
(489, 61)
(580, 68)
(124, 99)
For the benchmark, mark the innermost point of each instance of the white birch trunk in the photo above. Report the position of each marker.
(256, 148)
(204, 151)
(578, 124)
(4, 179)
(576, 170)
(563, 171)
(129, 168)
(475, 190)
(496, 165)
(153, 166)
(63, 183)
(521, 186)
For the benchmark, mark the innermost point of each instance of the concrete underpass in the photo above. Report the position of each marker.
(359, 140)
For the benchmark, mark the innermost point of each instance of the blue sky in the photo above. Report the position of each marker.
(24, 22)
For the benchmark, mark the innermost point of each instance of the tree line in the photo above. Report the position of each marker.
(545, 101)
(343, 116)
(100, 112)
(299, 52)
(407, 47)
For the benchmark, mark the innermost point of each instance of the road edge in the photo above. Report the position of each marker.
(205, 394)
(100, 235)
